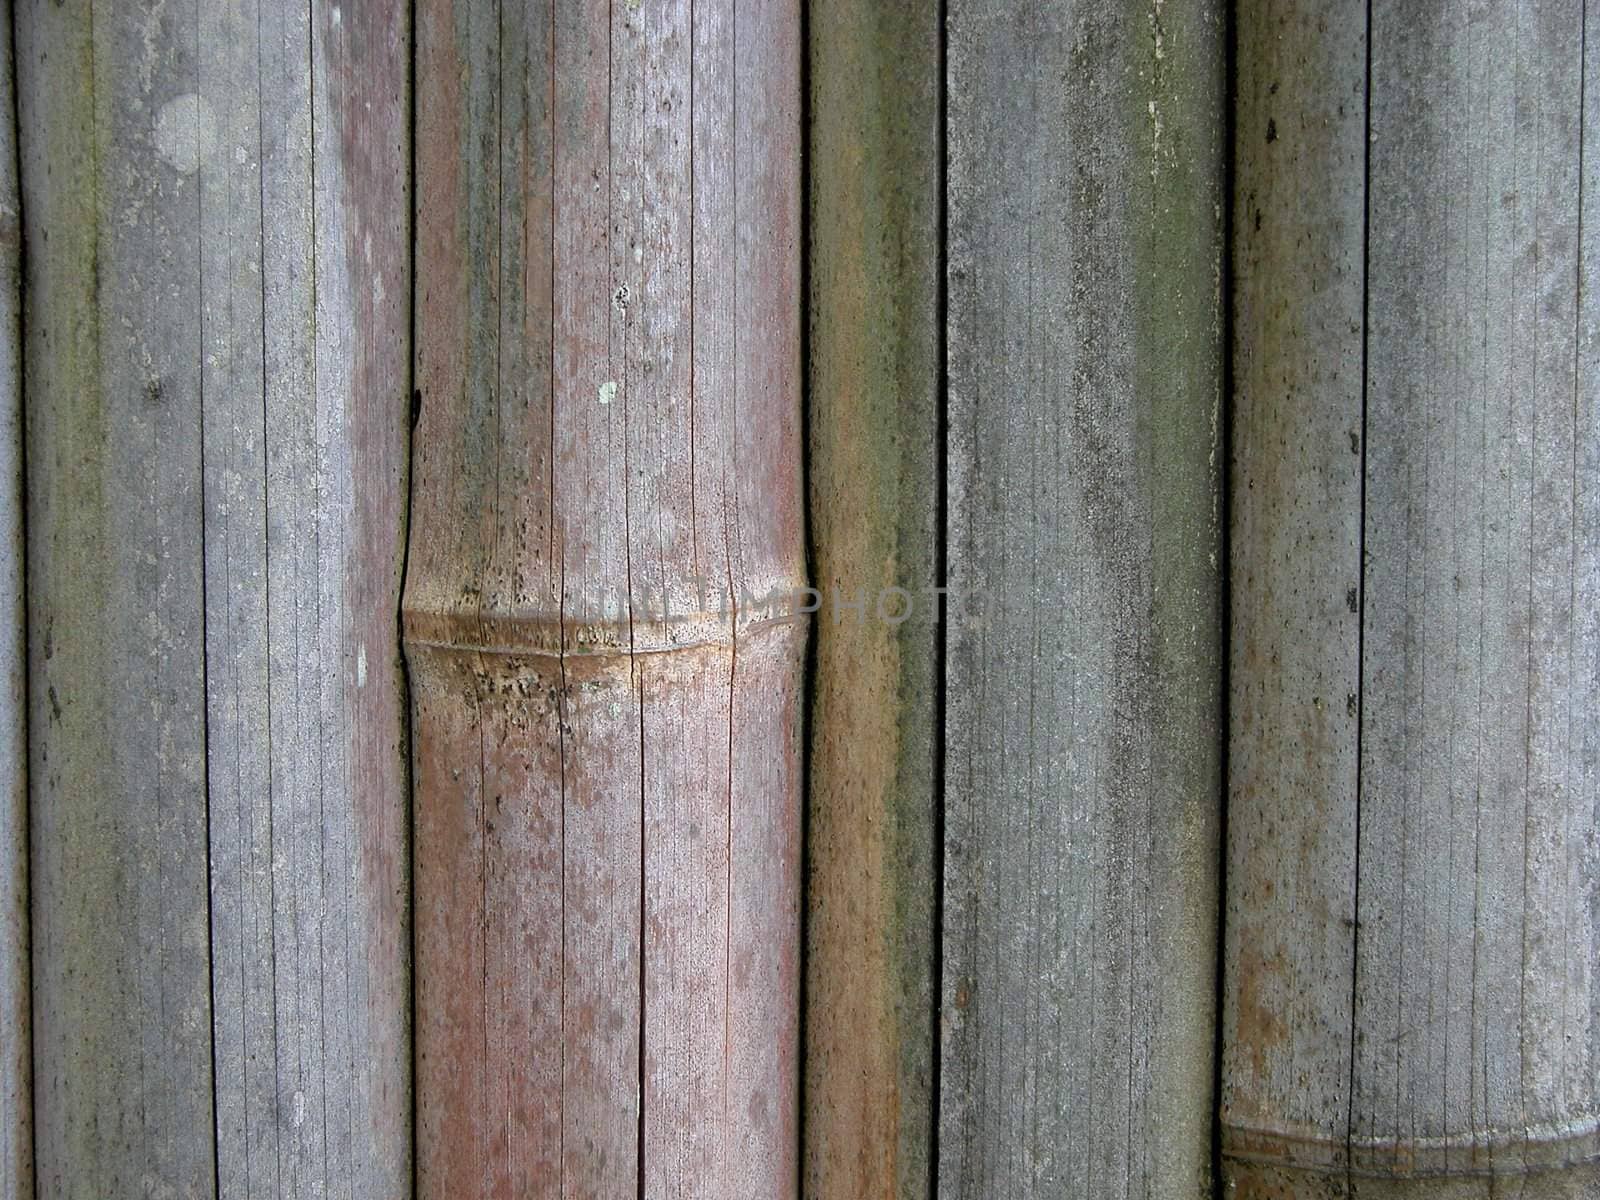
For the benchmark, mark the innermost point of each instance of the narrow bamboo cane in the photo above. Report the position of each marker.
(875, 368)
(605, 694)
(16, 1049)
(1412, 1007)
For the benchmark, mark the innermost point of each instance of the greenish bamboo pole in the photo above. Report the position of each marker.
(875, 374)
(216, 217)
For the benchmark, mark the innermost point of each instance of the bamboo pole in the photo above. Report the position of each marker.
(875, 369)
(215, 210)
(1411, 997)
(16, 1049)
(305, 315)
(605, 711)
(122, 993)
(1295, 578)
(1083, 673)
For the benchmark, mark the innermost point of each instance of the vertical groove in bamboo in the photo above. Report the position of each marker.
(875, 146)
(1411, 1002)
(606, 495)
(16, 1050)
(216, 213)
(1082, 773)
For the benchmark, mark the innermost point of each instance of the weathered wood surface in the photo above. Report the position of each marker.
(1454, 1052)
(110, 129)
(16, 1051)
(874, 428)
(1476, 1011)
(216, 210)
(304, 319)
(606, 745)
(1083, 705)
(1295, 583)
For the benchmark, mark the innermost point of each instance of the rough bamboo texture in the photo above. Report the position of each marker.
(16, 1051)
(123, 1079)
(874, 428)
(605, 695)
(1295, 578)
(1411, 1006)
(216, 211)
(1082, 774)
(304, 335)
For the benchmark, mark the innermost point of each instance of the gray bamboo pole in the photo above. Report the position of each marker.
(1412, 1008)
(605, 705)
(16, 1050)
(875, 371)
(1083, 678)
(216, 214)
(122, 993)
(1295, 576)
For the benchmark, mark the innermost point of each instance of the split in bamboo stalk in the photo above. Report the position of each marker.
(16, 1050)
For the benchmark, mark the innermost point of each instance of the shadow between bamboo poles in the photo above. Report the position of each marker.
(606, 500)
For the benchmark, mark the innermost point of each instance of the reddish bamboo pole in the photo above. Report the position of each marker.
(16, 1048)
(605, 749)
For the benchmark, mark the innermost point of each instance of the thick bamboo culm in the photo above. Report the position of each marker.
(875, 367)
(605, 696)
(16, 1000)
(1082, 779)
(215, 212)
(1412, 1008)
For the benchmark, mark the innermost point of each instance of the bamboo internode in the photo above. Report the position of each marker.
(1412, 930)
(1082, 779)
(723, 599)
